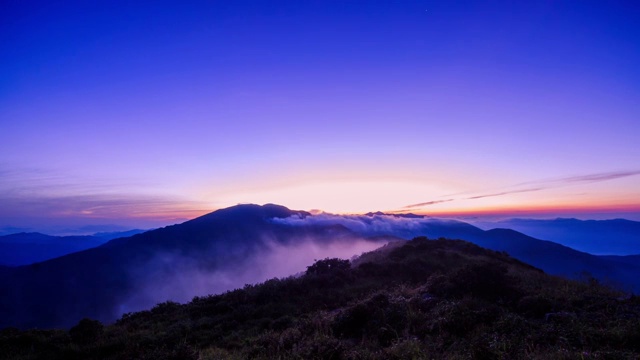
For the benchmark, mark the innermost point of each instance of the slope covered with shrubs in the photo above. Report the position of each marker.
(421, 299)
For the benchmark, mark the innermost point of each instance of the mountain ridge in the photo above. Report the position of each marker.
(131, 273)
(600, 237)
(104, 281)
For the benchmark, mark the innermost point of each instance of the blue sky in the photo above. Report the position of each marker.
(142, 113)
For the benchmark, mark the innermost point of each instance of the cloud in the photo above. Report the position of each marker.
(540, 185)
(372, 225)
(95, 206)
(34, 197)
(505, 193)
(44, 181)
(427, 203)
(605, 176)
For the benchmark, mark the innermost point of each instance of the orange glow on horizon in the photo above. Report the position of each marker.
(531, 210)
(436, 197)
(504, 211)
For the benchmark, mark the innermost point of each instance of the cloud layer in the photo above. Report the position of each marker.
(48, 201)
(373, 224)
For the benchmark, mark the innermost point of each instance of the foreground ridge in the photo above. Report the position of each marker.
(421, 299)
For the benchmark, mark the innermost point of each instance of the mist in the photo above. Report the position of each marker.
(373, 225)
(188, 278)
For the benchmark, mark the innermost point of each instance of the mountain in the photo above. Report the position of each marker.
(117, 234)
(627, 259)
(418, 299)
(553, 258)
(8, 230)
(606, 237)
(28, 248)
(561, 260)
(212, 253)
(244, 244)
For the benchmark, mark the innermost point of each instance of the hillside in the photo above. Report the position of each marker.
(553, 258)
(437, 299)
(245, 244)
(210, 254)
(615, 237)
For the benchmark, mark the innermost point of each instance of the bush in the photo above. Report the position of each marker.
(329, 267)
(87, 331)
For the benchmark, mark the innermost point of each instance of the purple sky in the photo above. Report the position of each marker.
(144, 113)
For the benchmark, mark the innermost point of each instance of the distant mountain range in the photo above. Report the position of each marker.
(28, 248)
(604, 237)
(552, 257)
(244, 244)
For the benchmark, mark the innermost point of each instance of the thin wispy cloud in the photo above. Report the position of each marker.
(427, 203)
(46, 193)
(601, 176)
(99, 206)
(540, 185)
(33, 180)
(588, 178)
(505, 193)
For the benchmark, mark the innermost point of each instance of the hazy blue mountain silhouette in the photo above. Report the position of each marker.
(617, 236)
(28, 248)
(625, 259)
(110, 235)
(558, 259)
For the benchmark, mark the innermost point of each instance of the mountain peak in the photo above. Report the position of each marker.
(244, 212)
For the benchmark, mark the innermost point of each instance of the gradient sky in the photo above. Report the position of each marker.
(142, 113)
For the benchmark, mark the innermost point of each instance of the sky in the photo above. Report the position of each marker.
(146, 113)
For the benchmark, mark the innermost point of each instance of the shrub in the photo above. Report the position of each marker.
(87, 331)
(328, 267)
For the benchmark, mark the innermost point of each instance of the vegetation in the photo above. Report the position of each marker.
(422, 299)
